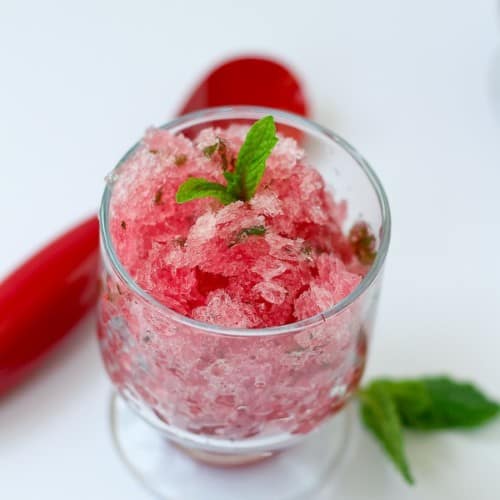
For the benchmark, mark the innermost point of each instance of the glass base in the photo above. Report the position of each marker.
(172, 472)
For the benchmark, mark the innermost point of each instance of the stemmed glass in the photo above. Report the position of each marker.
(207, 412)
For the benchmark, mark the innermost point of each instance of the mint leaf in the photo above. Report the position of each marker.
(433, 403)
(251, 162)
(195, 188)
(380, 416)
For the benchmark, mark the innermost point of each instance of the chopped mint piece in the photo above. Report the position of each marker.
(210, 150)
(179, 160)
(363, 243)
(158, 196)
(249, 231)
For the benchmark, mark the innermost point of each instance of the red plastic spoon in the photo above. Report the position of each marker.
(42, 300)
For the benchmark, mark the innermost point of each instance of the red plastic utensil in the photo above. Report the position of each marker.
(250, 80)
(42, 300)
(45, 298)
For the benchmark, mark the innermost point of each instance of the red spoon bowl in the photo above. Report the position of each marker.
(249, 80)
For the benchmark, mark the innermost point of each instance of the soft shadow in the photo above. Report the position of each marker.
(488, 433)
(364, 472)
(57, 382)
(431, 455)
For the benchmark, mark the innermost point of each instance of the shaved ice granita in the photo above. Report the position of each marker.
(240, 277)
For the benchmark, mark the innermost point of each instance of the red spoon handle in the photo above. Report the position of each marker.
(45, 297)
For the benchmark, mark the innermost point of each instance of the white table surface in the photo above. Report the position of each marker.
(408, 83)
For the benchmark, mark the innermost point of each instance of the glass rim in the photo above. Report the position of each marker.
(219, 113)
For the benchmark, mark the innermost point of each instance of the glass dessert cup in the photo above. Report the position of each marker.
(194, 399)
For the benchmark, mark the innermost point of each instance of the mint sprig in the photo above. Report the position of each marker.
(425, 404)
(250, 165)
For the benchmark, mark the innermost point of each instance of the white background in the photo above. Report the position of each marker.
(408, 83)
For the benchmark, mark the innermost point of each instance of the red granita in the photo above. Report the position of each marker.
(277, 258)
